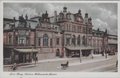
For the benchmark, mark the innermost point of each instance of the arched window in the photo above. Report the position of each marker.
(83, 40)
(78, 40)
(74, 40)
(45, 40)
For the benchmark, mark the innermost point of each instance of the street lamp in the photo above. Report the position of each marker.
(106, 53)
(62, 43)
(80, 56)
(92, 53)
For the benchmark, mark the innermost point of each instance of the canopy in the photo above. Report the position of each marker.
(26, 50)
(79, 47)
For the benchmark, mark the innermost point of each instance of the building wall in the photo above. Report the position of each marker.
(8, 38)
(68, 26)
(32, 38)
(97, 43)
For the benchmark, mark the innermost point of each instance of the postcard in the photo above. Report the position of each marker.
(59, 39)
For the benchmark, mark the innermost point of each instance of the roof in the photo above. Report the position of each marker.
(26, 50)
(7, 19)
(79, 47)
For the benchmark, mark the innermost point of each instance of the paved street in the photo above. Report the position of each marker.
(98, 63)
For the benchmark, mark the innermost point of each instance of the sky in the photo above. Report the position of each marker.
(60, 0)
(104, 15)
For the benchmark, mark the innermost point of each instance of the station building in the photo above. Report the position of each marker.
(63, 35)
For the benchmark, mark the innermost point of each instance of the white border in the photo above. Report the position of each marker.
(59, 74)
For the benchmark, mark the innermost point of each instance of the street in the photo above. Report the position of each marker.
(97, 64)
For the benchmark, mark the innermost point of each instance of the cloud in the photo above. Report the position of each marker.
(10, 13)
(104, 15)
(30, 12)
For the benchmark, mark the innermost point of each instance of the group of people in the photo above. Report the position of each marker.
(14, 66)
(35, 59)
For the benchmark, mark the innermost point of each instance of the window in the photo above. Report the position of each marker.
(51, 42)
(10, 39)
(72, 28)
(74, 40)
(90, 30)
(69, 27)
(57, 41)
(77, 28)
(67, 41)
(78, 40)
(66, 27)
(22, 40)
(84, 30)
(83, 40)
(45, 40)
(16, 40)
(89, 42)
(39, 41)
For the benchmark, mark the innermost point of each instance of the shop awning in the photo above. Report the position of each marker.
(79, 47)
(26, 50)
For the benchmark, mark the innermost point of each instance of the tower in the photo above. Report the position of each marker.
(55, 16)
(79, 12)
(86, 18)
(64, 9)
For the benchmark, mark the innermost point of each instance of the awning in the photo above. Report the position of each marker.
(26, 50)
(79, 47)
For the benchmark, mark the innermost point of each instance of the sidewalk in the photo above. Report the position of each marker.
(77, 59)
(61, 59)
(73, 61)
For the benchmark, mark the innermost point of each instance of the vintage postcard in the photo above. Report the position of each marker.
(59, 39)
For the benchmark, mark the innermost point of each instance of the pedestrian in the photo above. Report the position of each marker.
(36, 60)
(117, 63)
(14, 67)
(102, 53)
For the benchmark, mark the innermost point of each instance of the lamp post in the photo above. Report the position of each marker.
(80, 56)
(106, 53)
(13, 54)
(62, 43)
(92, 53)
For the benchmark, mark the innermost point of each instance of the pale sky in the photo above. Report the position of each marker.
(60, 0)
(104, 15)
